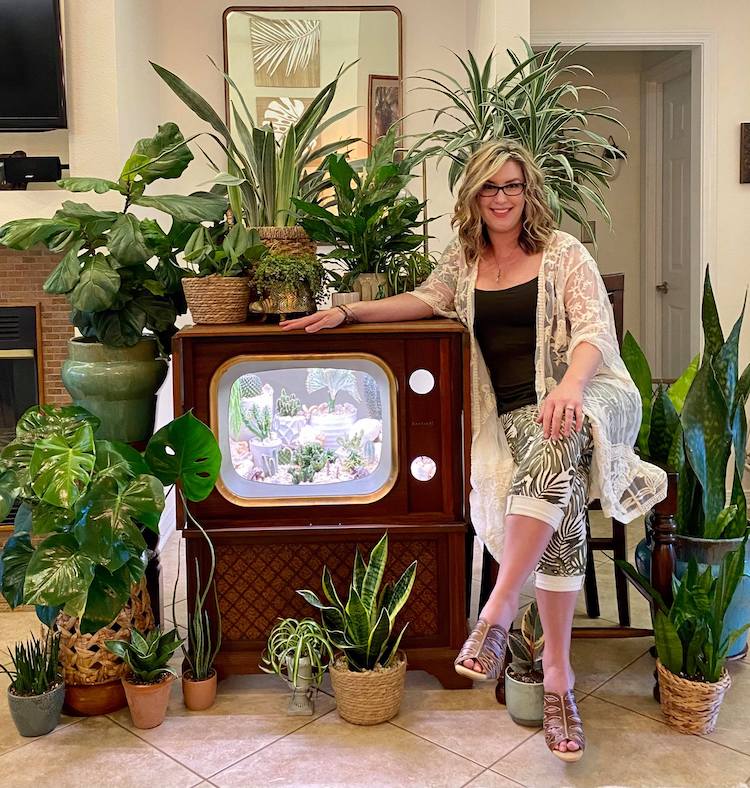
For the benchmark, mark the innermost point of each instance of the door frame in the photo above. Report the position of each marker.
(703, 209)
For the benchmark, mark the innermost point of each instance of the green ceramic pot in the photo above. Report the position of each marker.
(524, 702)
(117, 384)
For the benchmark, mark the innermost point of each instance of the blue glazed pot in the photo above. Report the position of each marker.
(709, 552)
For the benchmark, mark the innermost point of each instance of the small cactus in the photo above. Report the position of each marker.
(288, 404)
(250, 386)
(372, 397)
(285, 455)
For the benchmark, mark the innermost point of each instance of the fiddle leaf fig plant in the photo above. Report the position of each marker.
(91, 500)
(120, 273)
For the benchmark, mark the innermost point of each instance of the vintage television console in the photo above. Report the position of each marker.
(329, 439)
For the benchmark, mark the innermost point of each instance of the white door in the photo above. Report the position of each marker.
(673, 281)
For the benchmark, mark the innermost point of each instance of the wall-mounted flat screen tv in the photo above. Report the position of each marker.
(32, 87)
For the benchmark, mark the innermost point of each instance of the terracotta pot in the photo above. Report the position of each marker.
(199, 695)
(90, 700)
(148, 702)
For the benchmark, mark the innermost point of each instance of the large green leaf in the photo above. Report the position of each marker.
(43, 420)
(49, 519)
(98, 284)
(58, 572)
(374, 576)
(120, 327)
(185, 450)
(25, 233)
(119, 461)
(160, 156)
(9, 489)
(668, 645)
(639, 370)
(98, 185)
(357, 619)
(106, 596)
(15, 560)
(378, 640)
(93, 221)
(67, 273)
(730, 573)
(199, 207)
(679, 389)
(664, 423)
(402, 589)
(713, 336)
(61, 467)
(126, 242)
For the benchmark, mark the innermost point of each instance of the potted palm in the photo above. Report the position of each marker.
(149, 682)
(266, 169)
(536, 105)
(697, 426)
(691, 643)
(288, 286)
(89, 504)
(368, 677)
(36, 691)
(373, 220)
(218, 259)
(122, 279)
(299, 653)
(524, 680)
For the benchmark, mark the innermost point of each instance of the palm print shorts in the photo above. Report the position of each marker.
(551, 484)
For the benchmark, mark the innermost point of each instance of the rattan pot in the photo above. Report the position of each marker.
(292, 241)
(371, 697)
(691, 706)
(217, 299)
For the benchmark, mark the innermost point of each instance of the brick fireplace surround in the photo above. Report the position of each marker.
(22, 275)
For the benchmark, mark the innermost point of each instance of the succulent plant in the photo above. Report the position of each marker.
(308, 460)
(285, 455)
(147, 655)
(527, 644)
(372, 397)
(351, 452)
(334, 381)
(288, 404)
(249, 386)
(258, 421)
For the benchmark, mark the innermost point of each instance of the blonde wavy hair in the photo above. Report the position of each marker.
(537, 224)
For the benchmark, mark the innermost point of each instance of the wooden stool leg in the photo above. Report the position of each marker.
(489, 576)
(590, 590)
(621, 581)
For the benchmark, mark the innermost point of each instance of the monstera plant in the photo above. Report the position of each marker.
(698, 425)
(90, 501)
(115, 290)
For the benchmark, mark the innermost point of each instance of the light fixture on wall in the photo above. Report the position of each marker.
(616, 155)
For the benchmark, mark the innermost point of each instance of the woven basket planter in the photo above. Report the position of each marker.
(691, 706)
(217, 299)
(371, 697)
(84, 658)
(292, 241)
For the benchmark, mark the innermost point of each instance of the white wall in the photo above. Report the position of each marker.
(729, 22)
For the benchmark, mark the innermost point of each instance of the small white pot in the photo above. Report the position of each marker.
(266, 455)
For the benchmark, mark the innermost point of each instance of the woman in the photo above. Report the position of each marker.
(554, 412)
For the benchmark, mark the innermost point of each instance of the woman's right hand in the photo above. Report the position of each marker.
(326, 318)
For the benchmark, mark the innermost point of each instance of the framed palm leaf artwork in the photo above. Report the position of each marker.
(285, 52)
(384, 105)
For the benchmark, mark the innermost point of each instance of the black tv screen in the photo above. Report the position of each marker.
(32, 89)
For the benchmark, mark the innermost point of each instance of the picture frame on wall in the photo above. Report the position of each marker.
(383, 106)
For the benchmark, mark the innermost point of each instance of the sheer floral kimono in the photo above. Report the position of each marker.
(572, 307)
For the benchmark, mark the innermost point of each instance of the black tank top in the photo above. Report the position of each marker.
(505, 328)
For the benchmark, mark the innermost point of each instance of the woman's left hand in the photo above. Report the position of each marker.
(562, 410)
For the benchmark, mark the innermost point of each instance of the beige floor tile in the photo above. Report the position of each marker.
(15, 626)
(490, 779)
(93, 751)
(332, 752)
(250, 713)
(640, 615)
(596, 661)
(470, 722)
(632, 689)
(620, 746)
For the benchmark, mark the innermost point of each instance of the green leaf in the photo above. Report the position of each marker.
(199, 207)
(357, 619)
(26, 233)
(15, 560)
(119, 461)
(98, 185)
(94, 222)
(61, 467)
(160, 156)
(679, 389)
(58, 572)
(22, 520)
(378, 640)
(642, 584)
(97, 286)
(664, 424)
(668, 644)
(329, 589)
(67, 273)
(106, 597)
(49, 519)
(185, 450)
(360, 569)
(402, 589)
(126, 242)
(712, 334)
(374, 575)
(9, 489)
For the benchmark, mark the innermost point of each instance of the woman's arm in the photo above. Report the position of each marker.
(386, 310)
(562, 409)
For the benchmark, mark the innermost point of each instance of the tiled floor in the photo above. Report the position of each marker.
(440, 737)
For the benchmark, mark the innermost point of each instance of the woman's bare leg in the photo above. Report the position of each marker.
(556, 610)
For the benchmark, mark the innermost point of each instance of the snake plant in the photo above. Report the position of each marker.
(536, 105)
(698, 427)
(363, 627)
(147, 655)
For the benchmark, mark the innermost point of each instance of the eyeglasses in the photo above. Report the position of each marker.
(490, 189)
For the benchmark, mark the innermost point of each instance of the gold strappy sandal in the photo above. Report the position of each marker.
(562, 722)
(485, 645)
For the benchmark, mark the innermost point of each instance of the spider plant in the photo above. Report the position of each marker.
(265, 170)
(292, 641)
(536, 105)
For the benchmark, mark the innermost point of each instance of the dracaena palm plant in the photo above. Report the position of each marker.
(534, 104)
(266, 169)
(363, 627)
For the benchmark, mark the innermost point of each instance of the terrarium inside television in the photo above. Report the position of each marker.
(328, 440)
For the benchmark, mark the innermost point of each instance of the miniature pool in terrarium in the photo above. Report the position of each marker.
(309, 427)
